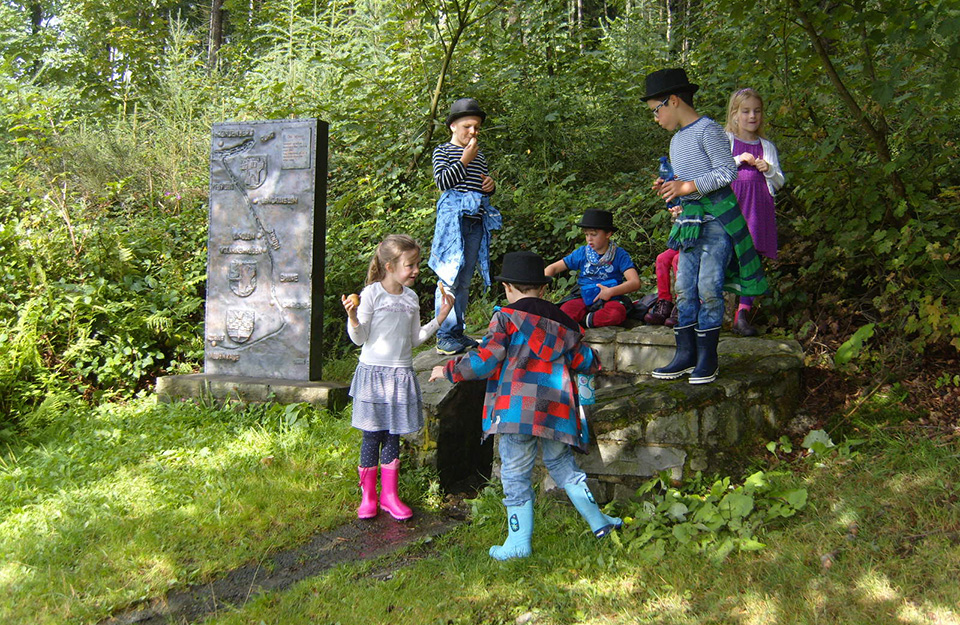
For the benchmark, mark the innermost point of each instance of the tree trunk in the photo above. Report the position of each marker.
(877, 134)
(437, 92)
(216, 33)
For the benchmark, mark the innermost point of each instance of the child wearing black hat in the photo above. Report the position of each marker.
(709, 230)
(465, 219)
(527, 356)
(605, 274)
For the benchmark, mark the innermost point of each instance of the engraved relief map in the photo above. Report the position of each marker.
(265, 251)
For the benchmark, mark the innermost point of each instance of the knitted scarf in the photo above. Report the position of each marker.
(744, 276)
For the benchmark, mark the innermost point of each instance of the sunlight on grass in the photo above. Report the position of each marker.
(758, 609)
(927, 614)
(139, 497)
(876, 588)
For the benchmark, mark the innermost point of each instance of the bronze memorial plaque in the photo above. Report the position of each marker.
(265, 251)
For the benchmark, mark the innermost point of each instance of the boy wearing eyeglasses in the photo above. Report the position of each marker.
(709, 228)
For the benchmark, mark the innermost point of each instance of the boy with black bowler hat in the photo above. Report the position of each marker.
(605, 274)
(465, 220)
(528, 356)
(709, 229)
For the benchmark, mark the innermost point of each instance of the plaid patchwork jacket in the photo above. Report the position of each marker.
(528, 357)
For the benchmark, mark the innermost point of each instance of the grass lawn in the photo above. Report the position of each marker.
(122, 502)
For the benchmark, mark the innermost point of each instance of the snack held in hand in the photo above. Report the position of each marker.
(353, 297)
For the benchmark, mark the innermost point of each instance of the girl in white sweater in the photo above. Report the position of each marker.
(385, 391)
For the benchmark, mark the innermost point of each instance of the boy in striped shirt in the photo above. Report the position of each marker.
(709, 229)
(465, 219)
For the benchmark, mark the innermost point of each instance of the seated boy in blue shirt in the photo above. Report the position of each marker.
(709, 230)
(605, 274)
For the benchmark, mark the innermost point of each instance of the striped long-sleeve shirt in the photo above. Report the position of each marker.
(450, 173)
(701, 152)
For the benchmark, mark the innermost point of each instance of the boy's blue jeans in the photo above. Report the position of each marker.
(471, 230)
(517, 455)
(700, 273)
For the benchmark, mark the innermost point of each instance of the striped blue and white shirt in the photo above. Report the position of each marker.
(701, 152)
(449, 172)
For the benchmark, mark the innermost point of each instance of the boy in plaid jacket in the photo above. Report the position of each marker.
(527, 357)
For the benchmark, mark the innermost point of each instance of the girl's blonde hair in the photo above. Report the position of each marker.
(737, 98)
(389, 251)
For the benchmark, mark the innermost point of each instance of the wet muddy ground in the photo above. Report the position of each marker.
(355, 541)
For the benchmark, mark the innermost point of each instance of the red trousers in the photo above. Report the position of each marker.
(665, 260)
(613, 313)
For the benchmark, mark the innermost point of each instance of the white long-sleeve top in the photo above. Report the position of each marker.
(389, 327)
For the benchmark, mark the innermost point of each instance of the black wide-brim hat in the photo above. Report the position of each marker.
(464, 107)
(597, 219)
(664, 82)
(522, 268)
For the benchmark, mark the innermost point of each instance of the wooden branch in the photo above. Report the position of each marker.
(879, 138)
(464, 21)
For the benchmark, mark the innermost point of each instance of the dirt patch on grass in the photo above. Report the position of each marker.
(353, 542)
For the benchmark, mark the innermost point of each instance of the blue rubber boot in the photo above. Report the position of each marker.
(520, 523)
(708, 363)
(685, 359)
(585, 504)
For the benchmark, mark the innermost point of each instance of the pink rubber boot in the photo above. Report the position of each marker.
(389, 499)
(368, 485)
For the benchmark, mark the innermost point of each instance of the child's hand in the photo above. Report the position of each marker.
(487, 185)
(470, 151)
(436, 373)
(673, 189)
(761, 165)
(748, 158)
(675, 211)
(656, 184)
(605, 293)
(350, 304)
(446, 304)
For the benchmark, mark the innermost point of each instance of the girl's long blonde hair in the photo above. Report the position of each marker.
(736, 99)
(389, 251)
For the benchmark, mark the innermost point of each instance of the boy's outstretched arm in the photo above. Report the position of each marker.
(585, 360)
(555, 268)
(482, 363)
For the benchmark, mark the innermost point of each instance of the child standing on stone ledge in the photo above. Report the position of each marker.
(385, 391)
(527, 357)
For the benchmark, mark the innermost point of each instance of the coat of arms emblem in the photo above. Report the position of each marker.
(240, 324)
(243, 277)
(253, 169)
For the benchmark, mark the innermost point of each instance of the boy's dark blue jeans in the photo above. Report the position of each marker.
(700, 276)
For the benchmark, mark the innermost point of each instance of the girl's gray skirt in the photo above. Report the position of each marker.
(386, 398)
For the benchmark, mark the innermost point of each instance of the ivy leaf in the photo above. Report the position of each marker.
(684, 532)
(755, 481)
(736, 505)
(817, 436)
(797, 498)
(751, 544)
(677, 511)
(852, 346)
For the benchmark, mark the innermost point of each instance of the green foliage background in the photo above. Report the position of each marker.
(103, 157)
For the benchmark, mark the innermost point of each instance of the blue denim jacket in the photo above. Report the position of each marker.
(446, 255)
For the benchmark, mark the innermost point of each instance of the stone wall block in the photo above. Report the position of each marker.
(640, 426)
(629, 458)
(173, 387)
(678, 428)
(243, 391)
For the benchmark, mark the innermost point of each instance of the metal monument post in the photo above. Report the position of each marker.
(263, 327)
(265, 252)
